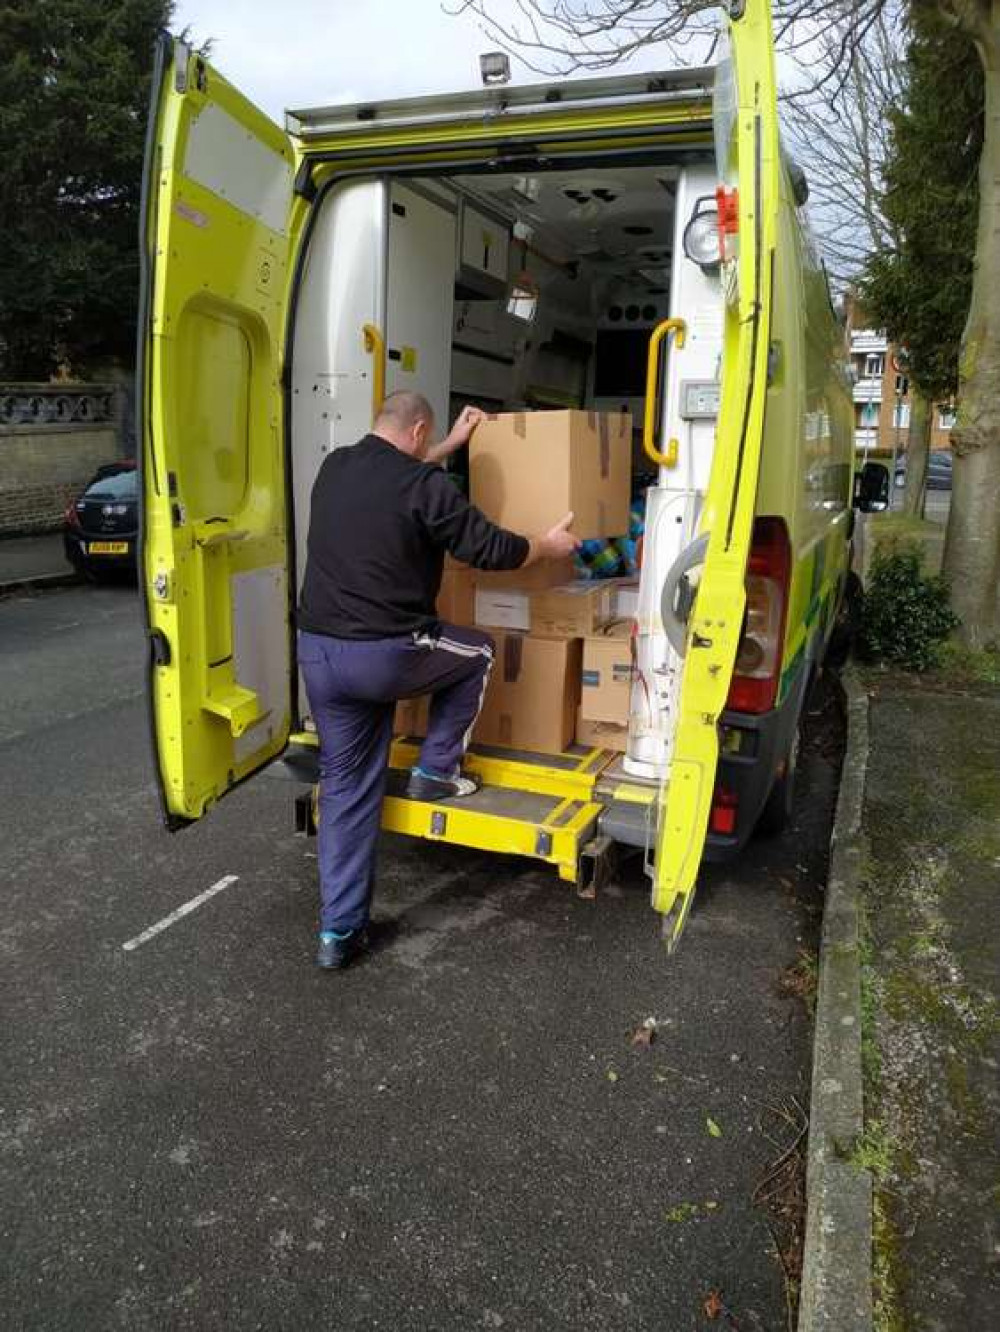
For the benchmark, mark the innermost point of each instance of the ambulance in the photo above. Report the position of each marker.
(635, 241)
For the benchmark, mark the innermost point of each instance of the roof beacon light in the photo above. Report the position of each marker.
(494, 67)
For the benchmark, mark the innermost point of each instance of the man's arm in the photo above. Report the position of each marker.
(460, 434)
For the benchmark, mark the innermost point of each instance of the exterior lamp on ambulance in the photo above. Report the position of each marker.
(701, 235)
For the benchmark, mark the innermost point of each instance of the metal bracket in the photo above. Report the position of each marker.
(543, 843)
(305, 823)
(595, 865)
(439, 823)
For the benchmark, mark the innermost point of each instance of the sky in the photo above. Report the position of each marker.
(286, 53)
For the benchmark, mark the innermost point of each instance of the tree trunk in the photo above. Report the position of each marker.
(972, 544)
(917, 449)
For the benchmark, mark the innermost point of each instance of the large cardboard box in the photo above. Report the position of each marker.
(601, 734)
(527, 470)
(533, 694)
(607, 676)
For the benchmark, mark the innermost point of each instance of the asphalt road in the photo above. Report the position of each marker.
(458, 1134)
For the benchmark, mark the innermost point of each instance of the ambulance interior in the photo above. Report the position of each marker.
(520, 292)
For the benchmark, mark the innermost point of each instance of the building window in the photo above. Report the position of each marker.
(946, 418)
(874, 366)
(869, 414)
(902, 385)
(901, 416)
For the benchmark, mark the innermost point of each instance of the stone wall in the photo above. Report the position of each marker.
(52, 439)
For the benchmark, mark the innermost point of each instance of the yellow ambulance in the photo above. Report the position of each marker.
(632, 242)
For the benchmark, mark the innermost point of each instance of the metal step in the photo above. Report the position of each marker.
(544, 827)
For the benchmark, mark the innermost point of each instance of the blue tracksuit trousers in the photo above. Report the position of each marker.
(353, 686)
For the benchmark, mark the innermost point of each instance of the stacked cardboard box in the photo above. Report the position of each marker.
(533, 693)
(527, 471)
(606, 687)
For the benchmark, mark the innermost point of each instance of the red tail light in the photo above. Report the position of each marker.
(70, 517)
(723, 816)
(758, 659)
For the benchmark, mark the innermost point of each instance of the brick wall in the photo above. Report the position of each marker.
(43, 467)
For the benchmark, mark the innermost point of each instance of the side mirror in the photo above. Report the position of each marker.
(871, 488)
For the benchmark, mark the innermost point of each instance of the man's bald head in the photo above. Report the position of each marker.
(403, 410)
(406, 420)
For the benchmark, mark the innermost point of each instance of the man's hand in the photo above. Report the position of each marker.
(461, 432)
(557, 543)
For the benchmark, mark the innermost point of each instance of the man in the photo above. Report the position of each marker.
(383, 515)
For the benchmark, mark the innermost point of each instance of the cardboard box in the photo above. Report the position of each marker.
(601, 735)
(536, 578)
(574, 610)
(456, 601)
(527, 470)
(533, 694)
(606, 681)
(411, 716)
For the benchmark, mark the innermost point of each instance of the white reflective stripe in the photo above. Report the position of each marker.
(465, 649)
(482, 698)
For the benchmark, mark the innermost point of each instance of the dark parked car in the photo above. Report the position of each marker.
(938, 470)
(101, 527)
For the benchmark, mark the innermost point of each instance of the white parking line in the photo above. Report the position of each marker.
(179, 914)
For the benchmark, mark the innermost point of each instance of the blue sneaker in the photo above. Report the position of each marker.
(337, 951)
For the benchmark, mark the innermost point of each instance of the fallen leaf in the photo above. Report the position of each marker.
(646, 1034)
(713, 1305)
(711, 1205)
(660, 1077)
(713, 1127)
(612, 1075)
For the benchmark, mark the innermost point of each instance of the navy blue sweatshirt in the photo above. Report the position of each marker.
(380, 524)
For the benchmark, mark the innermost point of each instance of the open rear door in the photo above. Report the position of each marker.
(749, 160)
(217, 195)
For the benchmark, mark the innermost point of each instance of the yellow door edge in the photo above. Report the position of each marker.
(717, 616)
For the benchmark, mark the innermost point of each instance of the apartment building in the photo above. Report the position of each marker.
(882, 393)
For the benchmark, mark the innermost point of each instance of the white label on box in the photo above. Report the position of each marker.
(498, 608)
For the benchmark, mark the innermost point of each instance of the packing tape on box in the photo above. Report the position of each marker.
(602, 422)
(520, 425)
(513, 652)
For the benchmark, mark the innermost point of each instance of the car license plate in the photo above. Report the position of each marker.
(108, 548)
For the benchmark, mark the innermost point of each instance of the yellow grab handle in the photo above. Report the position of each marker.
(679, 329)
(375, 346)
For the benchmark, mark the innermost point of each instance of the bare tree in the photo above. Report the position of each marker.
(563, 36)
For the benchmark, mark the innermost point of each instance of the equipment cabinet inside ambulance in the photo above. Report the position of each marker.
(633, 243)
